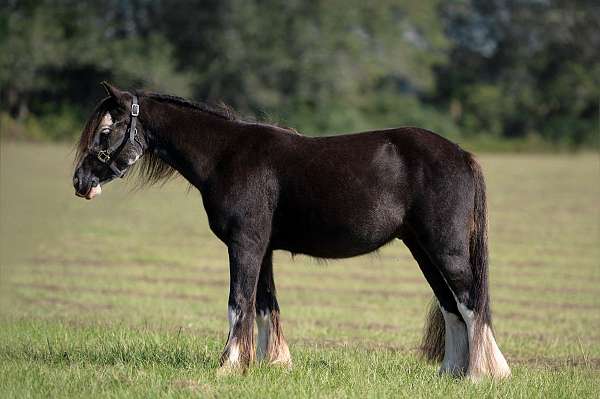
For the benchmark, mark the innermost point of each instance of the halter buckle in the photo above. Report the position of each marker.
(103, 156)
(135, 109)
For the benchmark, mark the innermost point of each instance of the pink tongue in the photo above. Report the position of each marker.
(93, 192)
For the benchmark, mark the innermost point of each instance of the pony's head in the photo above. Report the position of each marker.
(111, 142)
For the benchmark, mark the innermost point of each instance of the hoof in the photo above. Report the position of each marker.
(281, 357)
(497, 375)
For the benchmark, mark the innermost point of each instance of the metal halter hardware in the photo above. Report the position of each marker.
(108, 155)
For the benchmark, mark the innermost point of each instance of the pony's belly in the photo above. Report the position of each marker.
(348, 221)
(334, 243)
(332, 249)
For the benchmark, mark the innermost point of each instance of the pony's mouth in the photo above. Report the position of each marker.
(92, 192)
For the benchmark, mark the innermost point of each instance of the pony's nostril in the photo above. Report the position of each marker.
(75, 181)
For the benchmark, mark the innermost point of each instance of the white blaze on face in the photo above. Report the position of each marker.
(106, 121)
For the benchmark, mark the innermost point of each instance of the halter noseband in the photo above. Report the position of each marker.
(107, 156)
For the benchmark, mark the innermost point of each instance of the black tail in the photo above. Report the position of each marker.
(485, 358)
(432, 343)
(479, 294)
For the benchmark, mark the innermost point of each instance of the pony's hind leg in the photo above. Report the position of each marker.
(271, 346)
(445, 336)
(450, 227)
(470, 291)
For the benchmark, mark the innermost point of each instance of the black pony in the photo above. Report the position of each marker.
(265, 187)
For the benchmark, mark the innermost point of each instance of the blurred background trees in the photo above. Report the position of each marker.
(520, 68)
(495, 70)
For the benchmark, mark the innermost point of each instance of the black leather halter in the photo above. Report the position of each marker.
(108, 155)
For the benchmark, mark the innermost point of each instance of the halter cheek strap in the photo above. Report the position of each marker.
(109, 155)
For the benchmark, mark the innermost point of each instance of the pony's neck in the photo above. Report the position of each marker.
(189, 140)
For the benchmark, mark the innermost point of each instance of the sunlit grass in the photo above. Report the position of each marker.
(126, 295)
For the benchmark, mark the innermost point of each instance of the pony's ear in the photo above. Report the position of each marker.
(113, 92)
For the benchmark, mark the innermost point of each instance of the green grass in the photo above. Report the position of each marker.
(126, 295)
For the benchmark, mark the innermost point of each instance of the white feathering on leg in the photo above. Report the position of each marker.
(485, 358)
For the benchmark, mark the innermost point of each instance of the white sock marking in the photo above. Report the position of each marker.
(486, 358)
(234, 349)
(469, 318)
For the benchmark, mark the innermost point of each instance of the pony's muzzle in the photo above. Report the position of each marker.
(86, 185)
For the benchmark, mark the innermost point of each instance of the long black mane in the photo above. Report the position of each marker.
(151, 169)
(220, 110)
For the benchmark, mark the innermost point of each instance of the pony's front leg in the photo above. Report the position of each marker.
(244, 268)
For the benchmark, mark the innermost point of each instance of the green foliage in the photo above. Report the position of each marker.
(466, 69)
(318, 64)
(58, 52)
(524, 68)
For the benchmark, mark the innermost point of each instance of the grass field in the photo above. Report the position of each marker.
(126, 295)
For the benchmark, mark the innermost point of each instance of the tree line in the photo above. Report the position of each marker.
(469, 69)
